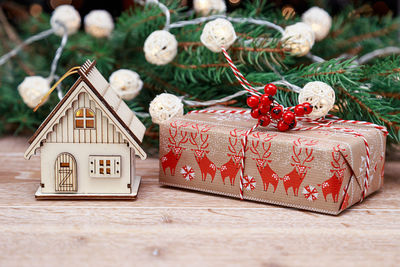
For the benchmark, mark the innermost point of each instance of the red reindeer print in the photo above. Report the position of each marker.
(231, 168)
(296, 176)
(200, 140)
(332, 185)
(170, 160)
(268, 176)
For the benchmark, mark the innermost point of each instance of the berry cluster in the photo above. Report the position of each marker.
(264, 109)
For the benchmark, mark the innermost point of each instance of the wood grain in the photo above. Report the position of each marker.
(167, 226)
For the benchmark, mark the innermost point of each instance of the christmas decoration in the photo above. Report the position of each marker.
(310, 193)
(294, 168)
(160, 47)
(319, 20)
(357, 59)
(165, 107)
(33, 89)
(218, 33)
(126, 83)
(321, 97)
(299, 38)
(205, 7)
(67, 16)
(187, 173)
(99, 23)
(87, 143)
(249, 183)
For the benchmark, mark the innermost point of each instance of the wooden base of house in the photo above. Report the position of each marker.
(78, 196)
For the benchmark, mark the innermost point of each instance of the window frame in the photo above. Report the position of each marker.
(84, 119)
(101, 166)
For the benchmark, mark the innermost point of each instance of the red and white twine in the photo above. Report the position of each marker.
(239, 76)
(242, 158)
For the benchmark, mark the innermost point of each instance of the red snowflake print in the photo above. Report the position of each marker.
(310, 193)
(249, 183)
(187, 173)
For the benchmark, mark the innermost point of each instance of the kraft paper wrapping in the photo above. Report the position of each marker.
(321, 170)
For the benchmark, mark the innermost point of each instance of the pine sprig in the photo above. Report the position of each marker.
(364, 92)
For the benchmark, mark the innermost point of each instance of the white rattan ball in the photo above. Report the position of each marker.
(126, 83)
(299, 38)
(319, 20)
(320, 95)
(206, 7)
(217, 33)
(164, 107)
(160, 47)
(67, 16)
(33, 89)
(99, 23)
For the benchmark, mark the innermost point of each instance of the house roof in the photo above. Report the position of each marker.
(133, 129)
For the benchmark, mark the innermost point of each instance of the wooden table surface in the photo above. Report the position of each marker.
(178, 227)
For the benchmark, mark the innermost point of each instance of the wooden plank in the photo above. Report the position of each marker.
(166, 226)
(105, 130)
(70, 125)
(111, 130)
(59, 131)
(93, 133)
(99, 126)
(75, 106)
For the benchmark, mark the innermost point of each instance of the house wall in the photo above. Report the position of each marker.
(65, 132)
(81, 152)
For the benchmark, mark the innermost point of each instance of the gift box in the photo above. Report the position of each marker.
(322, 170)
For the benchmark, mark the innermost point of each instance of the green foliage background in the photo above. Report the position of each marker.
(364, 92)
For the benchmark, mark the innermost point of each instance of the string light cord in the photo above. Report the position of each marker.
(183, 23)
(193, 103)
(17, 49)
(58, 52)
(379, 53)
(163, 8)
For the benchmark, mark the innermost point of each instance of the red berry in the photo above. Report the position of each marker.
(276, 112)
(264, 109)
(282, 126)
(299, 110)
(265, 100)
(270, 89)
(264, 120)
(253, 101)
(307, 108)
(255, 113)
(288, 117)
(293, 124)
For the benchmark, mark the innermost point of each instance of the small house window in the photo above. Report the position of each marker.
(84, 118)
(105, 166)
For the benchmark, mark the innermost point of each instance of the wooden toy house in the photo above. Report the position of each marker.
(88, 143)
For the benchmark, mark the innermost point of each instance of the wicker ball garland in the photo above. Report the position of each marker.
(164, 107)
(217, 33)
(126, 83)
(320, 95)
(206, 7)
(319, 20)
(160, 47)
(299, 38)
(68, 16)
(99, 23)
(33, 89)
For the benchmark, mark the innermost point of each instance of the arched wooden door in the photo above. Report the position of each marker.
(65, 173)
